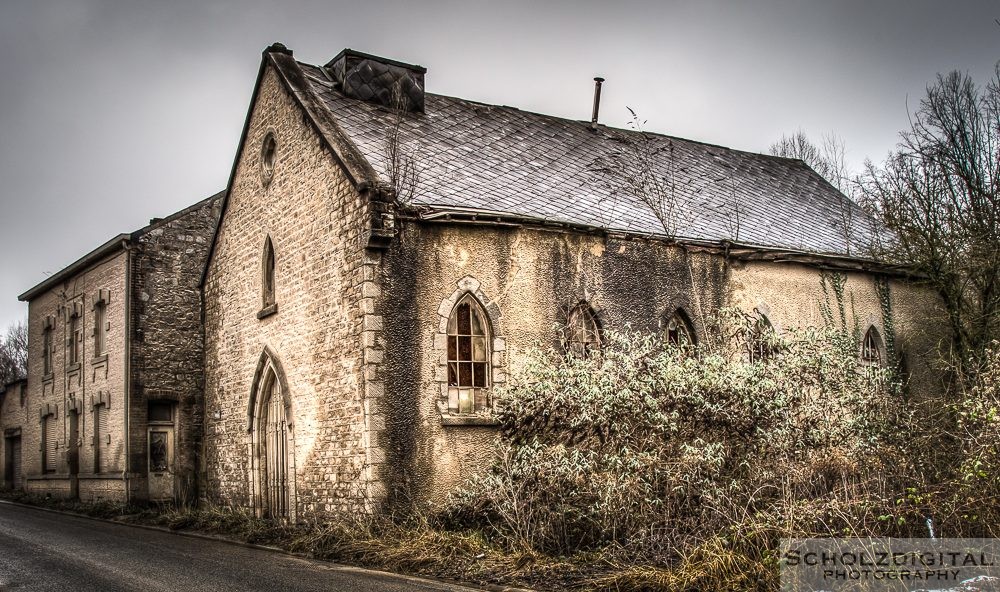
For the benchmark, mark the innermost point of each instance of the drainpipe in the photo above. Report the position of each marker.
(126, 405)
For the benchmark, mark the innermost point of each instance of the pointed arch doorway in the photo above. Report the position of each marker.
(272, 448)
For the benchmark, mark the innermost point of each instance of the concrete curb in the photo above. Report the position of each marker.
(458, 586)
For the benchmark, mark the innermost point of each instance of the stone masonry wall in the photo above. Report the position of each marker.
(167, 354)
(96, 380)
(314, 218)
(529, 279)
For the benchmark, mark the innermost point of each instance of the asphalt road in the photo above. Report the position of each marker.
(45, 551)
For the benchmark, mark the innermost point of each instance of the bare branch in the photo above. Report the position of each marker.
(646, 169)
(401, 168)
(938, 194)
(14, 353)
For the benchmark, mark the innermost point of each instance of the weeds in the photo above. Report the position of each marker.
(649, 467)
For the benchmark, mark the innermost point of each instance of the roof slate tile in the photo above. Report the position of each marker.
(493, 158)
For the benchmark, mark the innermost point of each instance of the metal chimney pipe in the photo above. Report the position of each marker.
(597, 101)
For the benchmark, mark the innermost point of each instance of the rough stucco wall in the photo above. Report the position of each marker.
(791, 297)
(534, 277)
(314, 218)
(83, 385)
(167, 356)
(921, 329)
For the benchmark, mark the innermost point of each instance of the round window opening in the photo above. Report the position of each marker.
(267, 157)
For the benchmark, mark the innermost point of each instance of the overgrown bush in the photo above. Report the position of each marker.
(658, 453)
(966, 494)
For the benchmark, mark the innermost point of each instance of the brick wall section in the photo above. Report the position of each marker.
(324, 286)
(13, 417)
(69, 387)
(167, 355)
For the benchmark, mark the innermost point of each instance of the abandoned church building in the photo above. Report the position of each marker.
(383, 257)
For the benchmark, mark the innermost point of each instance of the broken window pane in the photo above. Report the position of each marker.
(582, 334)
(468, 356)
(479, 349)
(464, 323)
(158, 452)
(465, 349)
(479, 374)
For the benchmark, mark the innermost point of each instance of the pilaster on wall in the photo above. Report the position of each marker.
(373, 386)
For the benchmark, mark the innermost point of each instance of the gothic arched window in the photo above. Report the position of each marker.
(583, 335)
(267, 274)
(760, 344)
(679, 330)
(468, 357)
(871, 347)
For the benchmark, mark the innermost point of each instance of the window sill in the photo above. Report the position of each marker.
(48, 377)
(268, 311)
(101, 359)
(47, 476)
(469, 421)
(73, 367)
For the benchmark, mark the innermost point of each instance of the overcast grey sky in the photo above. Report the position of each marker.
(113, 112)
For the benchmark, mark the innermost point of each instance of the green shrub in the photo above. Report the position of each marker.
(657, 451)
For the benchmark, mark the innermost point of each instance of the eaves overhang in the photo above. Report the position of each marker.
(736, 250)
(96, 256)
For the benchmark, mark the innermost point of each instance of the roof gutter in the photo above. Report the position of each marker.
(734, 249)
(112, 246)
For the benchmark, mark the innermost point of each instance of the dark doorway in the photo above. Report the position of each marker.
(12, 463)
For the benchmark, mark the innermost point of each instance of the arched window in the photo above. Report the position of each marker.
(760, 342)
(267, 274)
(468, 357)
(678, 330)
(583, 335)
(871, 348)
(268, 150)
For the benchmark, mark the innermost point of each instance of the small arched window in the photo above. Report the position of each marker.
(871, 348)
(468, 357)
(679, 330)
(267, 274)
(268, 152)
(760, 344)
(583, 335)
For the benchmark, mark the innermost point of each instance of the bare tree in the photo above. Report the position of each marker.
(937, 193)
(14, 353)
(646, 169)
(735, 211)
(830, 161)
(401, 168)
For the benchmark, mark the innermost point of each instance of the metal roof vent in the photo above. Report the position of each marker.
(379, 80)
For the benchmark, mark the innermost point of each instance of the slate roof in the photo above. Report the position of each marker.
(489, 158)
